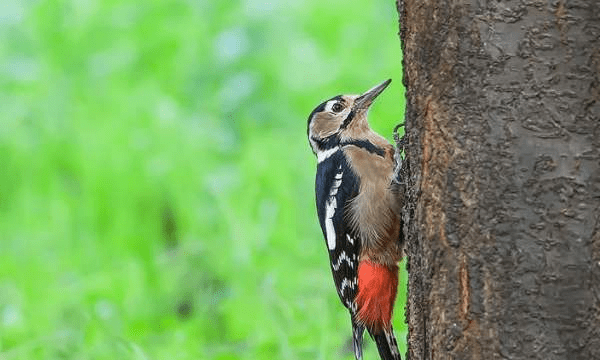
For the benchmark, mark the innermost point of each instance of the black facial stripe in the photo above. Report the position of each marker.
(348, 119)
(327, 143)
(367, 145)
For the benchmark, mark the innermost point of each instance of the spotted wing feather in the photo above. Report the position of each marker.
(336, 185)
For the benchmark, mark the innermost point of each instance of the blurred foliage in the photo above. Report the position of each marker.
(156, 184)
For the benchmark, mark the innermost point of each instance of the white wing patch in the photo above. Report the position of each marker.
(329, 212)
(330, 207)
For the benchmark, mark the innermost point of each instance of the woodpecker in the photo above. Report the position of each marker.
(358, 214)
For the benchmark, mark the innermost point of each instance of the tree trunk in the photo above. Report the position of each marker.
(503, 202)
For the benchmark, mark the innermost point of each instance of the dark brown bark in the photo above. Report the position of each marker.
(502, 212)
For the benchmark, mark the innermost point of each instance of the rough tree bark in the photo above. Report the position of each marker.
(502, 217)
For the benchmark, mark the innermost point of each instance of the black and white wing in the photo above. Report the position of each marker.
(336, 185)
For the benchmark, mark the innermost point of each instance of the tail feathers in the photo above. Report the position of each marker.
(386, 345)
(357, 338)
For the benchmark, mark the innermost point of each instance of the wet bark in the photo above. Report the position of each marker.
(502, 215)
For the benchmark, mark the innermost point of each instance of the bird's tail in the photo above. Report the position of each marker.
(357, 338)
(386, 345)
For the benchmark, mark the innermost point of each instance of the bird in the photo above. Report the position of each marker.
(358, 214)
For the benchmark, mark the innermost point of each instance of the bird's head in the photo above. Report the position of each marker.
(341, 117)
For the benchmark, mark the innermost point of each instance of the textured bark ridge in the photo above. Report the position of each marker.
(502, 217)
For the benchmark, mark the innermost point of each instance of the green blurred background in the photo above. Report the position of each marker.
(156, 183)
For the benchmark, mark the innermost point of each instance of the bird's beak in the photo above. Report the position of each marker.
(365, 100)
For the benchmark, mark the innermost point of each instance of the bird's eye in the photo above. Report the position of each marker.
(337, 107)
